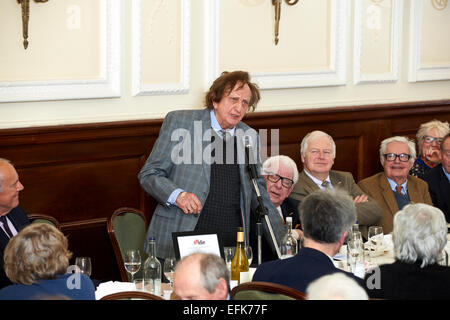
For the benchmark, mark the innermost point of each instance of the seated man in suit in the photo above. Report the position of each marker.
(318, 152)
(12, 217)
(419, 236)
(438, 180)
(394, 188)
(281, 175)
(201, 276)
(326, 217)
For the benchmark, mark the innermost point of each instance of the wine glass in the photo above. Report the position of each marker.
(228, 255)
(169, 268)
(375, 236)
(249, 254)
(132, 262)
(84, 265)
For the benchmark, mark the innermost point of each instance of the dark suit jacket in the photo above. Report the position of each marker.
(19, 219)
(378, 187)
(299, 271)
(289, 208)
(367, 213)
(401, 280)
(439, 188)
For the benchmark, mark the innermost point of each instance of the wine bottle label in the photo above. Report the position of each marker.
(244, 276)
(240, 237)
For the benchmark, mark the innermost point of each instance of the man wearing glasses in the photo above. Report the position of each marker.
(318, 151)
(394, 188)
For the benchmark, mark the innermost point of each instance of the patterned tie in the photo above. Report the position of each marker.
(5, 226)
(325, 184)
(398, 189)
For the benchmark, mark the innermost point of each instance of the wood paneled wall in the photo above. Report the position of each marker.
(81, 173)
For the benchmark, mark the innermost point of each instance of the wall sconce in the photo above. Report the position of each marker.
(277, 5)
(25, 17)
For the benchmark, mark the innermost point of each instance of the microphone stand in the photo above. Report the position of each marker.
(261, 210)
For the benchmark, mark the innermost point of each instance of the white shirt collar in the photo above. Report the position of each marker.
(216, 126)
(317, 181)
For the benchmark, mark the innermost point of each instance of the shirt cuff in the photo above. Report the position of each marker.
(173, 196)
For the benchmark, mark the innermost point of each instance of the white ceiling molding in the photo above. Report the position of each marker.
(182, 87)
(107, 86)
(418, 72)
(395, 45)
(332, 76)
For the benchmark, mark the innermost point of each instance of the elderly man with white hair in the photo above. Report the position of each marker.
(318, 152)
(419, 236)
(394, 187)
(281, 175)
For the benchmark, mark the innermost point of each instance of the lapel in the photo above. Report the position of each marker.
(413, 191)
(206, 142)
(388, 194)
(444, 186)
(308, 184)
(337, 181)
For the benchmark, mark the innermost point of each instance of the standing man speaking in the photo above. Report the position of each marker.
(196, 170)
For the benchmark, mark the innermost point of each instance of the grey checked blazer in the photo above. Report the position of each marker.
(160, 177)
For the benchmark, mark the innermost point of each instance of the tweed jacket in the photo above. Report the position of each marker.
(367, 213)
(378, 187)
(160, 176)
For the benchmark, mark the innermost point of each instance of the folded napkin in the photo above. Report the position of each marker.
(110, 287)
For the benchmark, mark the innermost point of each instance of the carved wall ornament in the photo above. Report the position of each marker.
(439, 4)
(277, 6)
(25, 18)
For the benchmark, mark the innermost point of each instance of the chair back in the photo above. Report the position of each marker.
(127, 228)
(128, 295)
(259, 290)
(43, 218)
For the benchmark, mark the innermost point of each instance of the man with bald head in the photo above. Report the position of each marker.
(12, 216)
(201, 276)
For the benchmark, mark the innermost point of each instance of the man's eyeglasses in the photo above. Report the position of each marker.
(273, 177)
(430, 139)
(392, 156)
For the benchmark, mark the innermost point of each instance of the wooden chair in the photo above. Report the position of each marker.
(127, 228)
(258, 290)
(127, 295)
(43, 218)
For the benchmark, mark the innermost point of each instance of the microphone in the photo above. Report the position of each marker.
(251, 165)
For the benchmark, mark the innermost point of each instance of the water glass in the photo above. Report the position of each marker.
(169, 269)
(375, 237)
(249, 254)
(228, 256)
(355, 254)
(83, 265)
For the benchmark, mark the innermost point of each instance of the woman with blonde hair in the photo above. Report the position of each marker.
(37, 261)
(429, 137)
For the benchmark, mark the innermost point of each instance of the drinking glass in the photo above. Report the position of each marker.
(228, 256)
(84, 265)
(132, 262)
(375, 236)
(355, 253)
(249, 254)
(169, 268)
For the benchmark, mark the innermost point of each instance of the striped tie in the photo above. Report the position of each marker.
(5, 226)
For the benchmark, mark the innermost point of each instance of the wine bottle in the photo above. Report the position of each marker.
(152, 269)
(239, 264)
